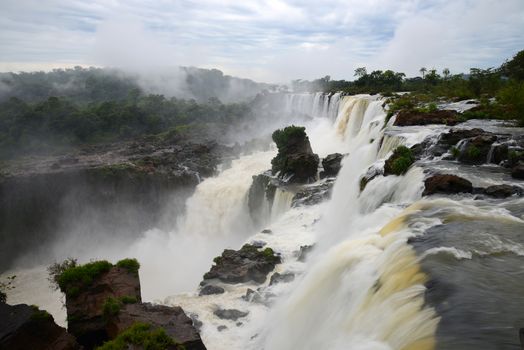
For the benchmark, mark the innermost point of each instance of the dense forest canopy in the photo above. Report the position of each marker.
(47, 112)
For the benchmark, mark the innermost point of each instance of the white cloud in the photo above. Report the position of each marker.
(266, 39)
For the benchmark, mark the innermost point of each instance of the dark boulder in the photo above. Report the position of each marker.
(295, 160)
(447, 184)
(499, 153)
(314, 193)
(85, 303)
(413, 117)
(211, 289)
(244, 265)
(518, 171)
(454, 136)
(230, 314)
(173, 320)
(24, 327)
(281, 278)
(304, 251)
(331, 165)
(502, 191)
(476, 150)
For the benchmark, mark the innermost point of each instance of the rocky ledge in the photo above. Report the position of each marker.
(24, 327)
(104, 309)
(248, 264)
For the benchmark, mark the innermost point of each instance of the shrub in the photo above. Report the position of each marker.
(71, 280)
(56, 269)
(400, 161)
(132, 265)
(141, 334)
(455, 152)
(40, 314)
(473, 152)
(111, 307)
(3, 297)
(282, 136)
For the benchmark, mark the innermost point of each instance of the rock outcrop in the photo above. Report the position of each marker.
(249, 264)
(332, 165)
(399, 162)
(502, 191)
(446, 184)
(261, 195)
(413, 117)
(24, 327)
(476, 149)
(85, 303)
(295, 160)
(41, 197)
(173, 320)
(517, 171)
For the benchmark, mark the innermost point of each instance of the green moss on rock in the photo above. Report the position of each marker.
(73, 279)
(399, 162)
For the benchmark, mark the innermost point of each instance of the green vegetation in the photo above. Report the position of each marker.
(505, 84)
(400, 161)
(40, 314)
(57, 124)
(455, 152)
(473, 152)
(70, 277)
(113, 305)
(132, 265)
(283, 136)
(73, 279)
(144, 335)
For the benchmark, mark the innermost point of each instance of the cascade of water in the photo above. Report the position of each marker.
(281, 203)
(364, 283)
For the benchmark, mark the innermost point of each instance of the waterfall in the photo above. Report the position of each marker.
(319, 104)
(281, 203)
(364, 288)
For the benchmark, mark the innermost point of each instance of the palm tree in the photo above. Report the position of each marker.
(423, 70)
(446, 73)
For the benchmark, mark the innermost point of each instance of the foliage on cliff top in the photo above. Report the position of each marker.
(132, 265)
(283, 136)
(144, 335)
(74, 278)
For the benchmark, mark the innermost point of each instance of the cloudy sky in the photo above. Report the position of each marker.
(267, 40)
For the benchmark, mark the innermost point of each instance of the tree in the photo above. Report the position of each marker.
(514, 68)
(423, 70)
(446, 73)
(360, 72)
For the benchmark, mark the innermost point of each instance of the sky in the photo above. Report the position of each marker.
(266, 40)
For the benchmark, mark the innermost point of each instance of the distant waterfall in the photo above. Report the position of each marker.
(318, 104)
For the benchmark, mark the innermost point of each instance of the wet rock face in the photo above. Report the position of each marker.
(211, 289)
(85, 311)
(454, 136)
(446, 184)
(314, 193)
(281, 278)
(476, 150)
(411, 117)
(517, 171)
(502, 191)
(332, 165)
(173, 320)
(295, 159)
(244, 265)
(24, 327)
(230, 314)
